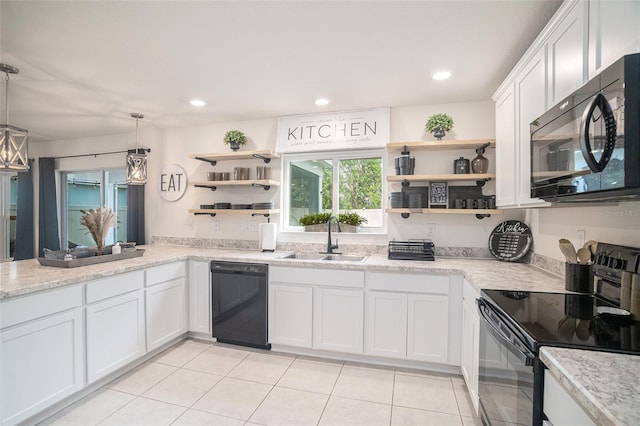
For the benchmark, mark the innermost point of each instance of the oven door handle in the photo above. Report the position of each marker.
(525, 355)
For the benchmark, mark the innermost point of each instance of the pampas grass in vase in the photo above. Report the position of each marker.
(98, 221)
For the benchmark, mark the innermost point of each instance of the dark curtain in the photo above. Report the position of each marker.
(49, 236)
(135, 213)
(24, 216)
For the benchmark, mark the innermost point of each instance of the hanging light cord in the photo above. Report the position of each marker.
(137, 118)
(6, 98)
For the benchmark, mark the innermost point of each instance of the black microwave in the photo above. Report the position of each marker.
(587, 147)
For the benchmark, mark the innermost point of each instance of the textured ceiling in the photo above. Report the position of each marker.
(86, 65)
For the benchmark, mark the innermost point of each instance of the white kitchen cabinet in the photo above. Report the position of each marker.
(199, 297)
(428, 328)
(338, 320)
(165, 312)
(613, 32)
(290, 315)
(386, 324)
(507, 165)
(115, 323)
(41, 352)
(165, 301)
(560, 407)
(470, 341)
(568, 52)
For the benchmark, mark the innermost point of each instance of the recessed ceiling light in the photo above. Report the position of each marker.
(441, 75)
(197, 103)
(322, 102)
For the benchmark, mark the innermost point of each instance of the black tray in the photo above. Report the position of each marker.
(84, 261)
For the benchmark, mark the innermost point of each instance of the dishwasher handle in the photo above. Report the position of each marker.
(239, 268)
(499, 329)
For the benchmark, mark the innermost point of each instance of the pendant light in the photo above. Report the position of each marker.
(137, 161)
(13, 140)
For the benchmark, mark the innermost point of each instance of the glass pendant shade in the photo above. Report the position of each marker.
(136, 169)
(13, 140)
(13, 148)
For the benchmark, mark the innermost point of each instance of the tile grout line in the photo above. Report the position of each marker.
(330, 393)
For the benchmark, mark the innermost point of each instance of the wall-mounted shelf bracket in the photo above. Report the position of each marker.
(212, 162)
(258, 185)
(205, 214)
(405, 151)
(260, 214)
(405, 215)
(213, 188)
(482, 216)
(405, 183)
(267, 160)
(481, 182)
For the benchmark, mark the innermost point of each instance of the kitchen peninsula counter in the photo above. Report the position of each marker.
(28, 276)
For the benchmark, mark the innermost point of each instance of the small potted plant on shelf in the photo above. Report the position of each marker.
(235, 139)
(438, 124)
(98, 221)
(317, 222)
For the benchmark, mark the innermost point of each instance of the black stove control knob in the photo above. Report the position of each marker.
(616, 263)
(602, 259)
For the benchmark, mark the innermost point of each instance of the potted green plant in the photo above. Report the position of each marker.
(317, 222)
(438, 124)
(235, 139)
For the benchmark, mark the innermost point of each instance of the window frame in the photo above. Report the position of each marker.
(334, 156)
(62, 188)
(5, 214)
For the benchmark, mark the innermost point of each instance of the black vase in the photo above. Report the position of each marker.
(234, 146)
(438, 133)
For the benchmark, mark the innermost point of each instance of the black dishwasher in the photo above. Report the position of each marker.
(239, 303)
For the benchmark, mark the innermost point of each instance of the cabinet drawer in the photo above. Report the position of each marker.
(163, 273)
(310, 276)
(27, 308)
(414, 283)
(114, 286)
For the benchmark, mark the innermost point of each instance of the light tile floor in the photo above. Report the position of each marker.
(198, 383)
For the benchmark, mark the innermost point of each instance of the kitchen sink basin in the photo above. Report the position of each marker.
(325, 257)
(344, 258)
(304, 256)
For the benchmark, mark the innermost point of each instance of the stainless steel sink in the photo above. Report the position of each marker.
(304, 256)
(325, 257)
(344, 258)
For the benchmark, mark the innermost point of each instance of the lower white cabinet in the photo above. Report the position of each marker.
(469, 362)
(115, 333)
(428, 328)
(41, 352)
(386, 324)
(290, 315)
(166, 312)
(338, 320)
(199, 297)
(560, 407)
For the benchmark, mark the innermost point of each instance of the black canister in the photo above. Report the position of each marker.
(578, 278)
(461, 166)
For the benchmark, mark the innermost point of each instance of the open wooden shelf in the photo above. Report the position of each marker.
(441, 177)
(212, 158)
(217, 183)
(440, 145)
(446, 211)
(253, 212)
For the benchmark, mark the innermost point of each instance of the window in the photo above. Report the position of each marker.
(89, 190)
(335, 182)
(8, 204)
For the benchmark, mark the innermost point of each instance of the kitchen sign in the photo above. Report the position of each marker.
(173, 182)
(333, 131)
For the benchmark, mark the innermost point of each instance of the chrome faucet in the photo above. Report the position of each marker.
(330, 246)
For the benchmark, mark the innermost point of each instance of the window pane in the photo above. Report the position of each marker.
(116, 199)
(310, 188)
(360, 188)
(83, 193)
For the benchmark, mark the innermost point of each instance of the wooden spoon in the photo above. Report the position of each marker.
(566, 327)
(582, 330)
(569, 251)
(584, 256)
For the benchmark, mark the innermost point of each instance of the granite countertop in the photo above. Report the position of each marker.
(28, 276)
(607, 385)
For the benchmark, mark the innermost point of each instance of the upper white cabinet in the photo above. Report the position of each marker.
(506, 158)
(613, 32)
(41, 352)
(568, 49)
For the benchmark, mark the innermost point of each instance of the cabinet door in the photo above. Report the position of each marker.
(290, 315)
(469, 359)
(386, 324)
(199, 297)
(567, 48)
(531, 89)
(166, 312)
(506, 161)
(613, 32)
(428, 327)
(338, 320)
(115, 333)
(41, 363)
